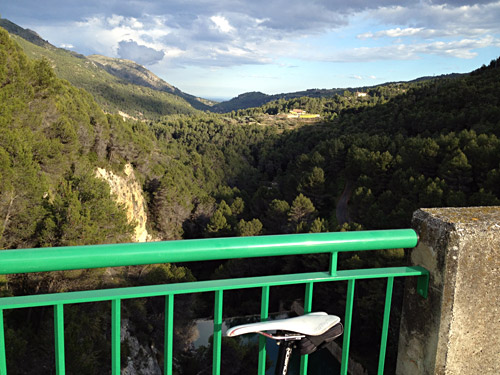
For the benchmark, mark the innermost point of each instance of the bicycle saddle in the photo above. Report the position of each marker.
(312, 324)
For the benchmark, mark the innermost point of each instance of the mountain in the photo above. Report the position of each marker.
(368, 163)
(54, 136)
(257, 99)
(119, 86)
(242, 101)
(125, 87)
(27, 34)
(136, 74)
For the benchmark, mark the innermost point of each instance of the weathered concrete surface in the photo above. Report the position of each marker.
(456, 330)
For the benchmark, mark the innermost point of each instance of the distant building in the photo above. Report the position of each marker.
(361, 94)
(299, 113)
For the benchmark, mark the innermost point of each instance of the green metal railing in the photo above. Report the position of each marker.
(98, 256)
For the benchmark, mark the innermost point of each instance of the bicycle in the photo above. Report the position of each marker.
(309, 333)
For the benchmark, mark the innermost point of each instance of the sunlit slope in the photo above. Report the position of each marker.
(117, 90)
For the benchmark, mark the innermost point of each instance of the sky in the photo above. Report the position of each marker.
(220, 49)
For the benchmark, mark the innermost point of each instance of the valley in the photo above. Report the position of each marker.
(367, 162)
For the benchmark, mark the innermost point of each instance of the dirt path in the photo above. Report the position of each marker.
(342, 211)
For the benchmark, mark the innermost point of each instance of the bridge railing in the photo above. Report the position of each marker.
(115, 255)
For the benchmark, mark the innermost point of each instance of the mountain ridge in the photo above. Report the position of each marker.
(27, 34)
(134, 73)
(253, 99)
(119, 86)
(127, 87)
(128, 74)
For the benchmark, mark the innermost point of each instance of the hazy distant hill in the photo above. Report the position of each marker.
(242, 101)
(123, 86)
(117, 85)
(257, 99)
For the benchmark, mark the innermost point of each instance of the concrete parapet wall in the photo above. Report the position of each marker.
(456, 330)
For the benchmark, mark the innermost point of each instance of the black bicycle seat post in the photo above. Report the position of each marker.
(284, 354)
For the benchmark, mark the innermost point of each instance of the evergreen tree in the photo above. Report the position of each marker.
(249, 228)
(301, 213)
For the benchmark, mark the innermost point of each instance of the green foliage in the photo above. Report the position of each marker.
(391, 166)
(249, 228)
(218, 225)
(301, 211)
(48, 131)
(319, 225)
(167, 273)
(83, 213)
(276, 216)
(114, 90)
(370, 162)
(238, 206)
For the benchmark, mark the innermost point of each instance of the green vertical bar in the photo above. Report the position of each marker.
(385, 325)
(333, 263)
(169, 334)
(304, 360)
(264, 315)
(115, 336)
(423, 284)
(347, 326)
(59, 338)
(217, 332)
(308, 298)
(3, 359)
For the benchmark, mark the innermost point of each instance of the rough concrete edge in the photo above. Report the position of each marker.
(435, 236)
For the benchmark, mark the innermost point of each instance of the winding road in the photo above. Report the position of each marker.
(342, 211)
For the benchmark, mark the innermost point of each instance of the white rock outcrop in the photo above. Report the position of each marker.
(128, 192)
(141, 359)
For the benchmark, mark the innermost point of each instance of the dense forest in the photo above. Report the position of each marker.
(368, 163)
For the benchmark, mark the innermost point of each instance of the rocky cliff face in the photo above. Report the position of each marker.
(141, 359)
(129, 193)
(136, 74)
(133, 73)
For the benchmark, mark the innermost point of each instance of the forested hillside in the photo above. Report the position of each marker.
(434, 144)
(54, 135)
(117, 85)
(51, 135)
(400, 147)
(258, 99)
(369, 162)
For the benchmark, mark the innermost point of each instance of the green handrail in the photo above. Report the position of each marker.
(97, 256)
(114, 255)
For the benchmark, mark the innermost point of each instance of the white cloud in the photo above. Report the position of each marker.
(236, 32)
(428, 19)
(360, 77)
(119, 36)
(115, 20)
(464, 49)
(397, 33)
(222, 24)
(141, 54)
